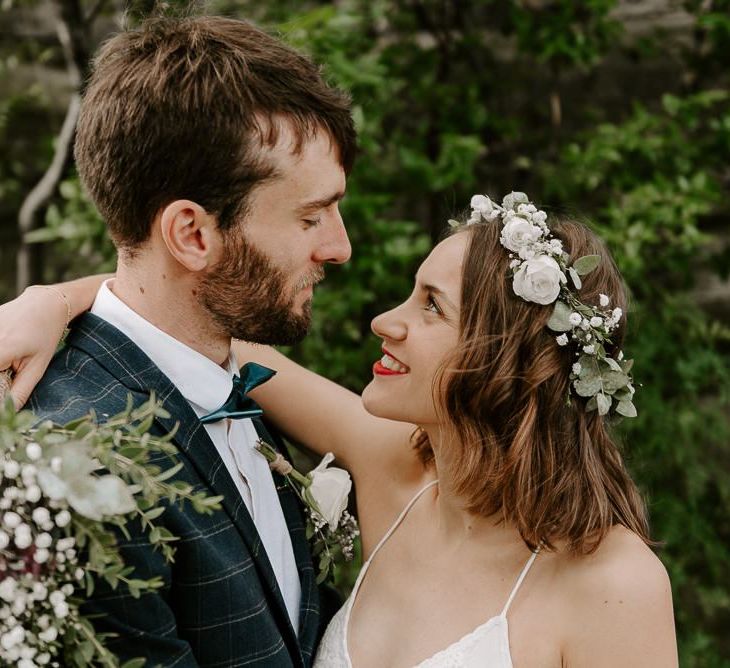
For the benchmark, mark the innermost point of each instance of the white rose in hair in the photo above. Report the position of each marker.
(519, 232)
(484, 206)
(538, 280)
(329, 490)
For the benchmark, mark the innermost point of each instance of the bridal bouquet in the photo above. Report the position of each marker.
(63, 492)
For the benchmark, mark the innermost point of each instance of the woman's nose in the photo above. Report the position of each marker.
(390, 325)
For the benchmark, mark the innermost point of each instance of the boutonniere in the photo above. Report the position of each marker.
(324, 492)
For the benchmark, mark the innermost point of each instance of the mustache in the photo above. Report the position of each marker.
(311, 279)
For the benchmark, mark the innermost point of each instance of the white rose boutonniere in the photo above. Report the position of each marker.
(329, 490)
(324, 491)
(538, 280)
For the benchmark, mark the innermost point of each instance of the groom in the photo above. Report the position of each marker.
(217, 156)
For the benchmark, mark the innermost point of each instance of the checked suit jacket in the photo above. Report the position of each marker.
(220, 605)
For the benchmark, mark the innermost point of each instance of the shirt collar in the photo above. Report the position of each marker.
(204, 384)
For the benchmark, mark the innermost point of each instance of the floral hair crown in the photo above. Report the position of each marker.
(540, 269)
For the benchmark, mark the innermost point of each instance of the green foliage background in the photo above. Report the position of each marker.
(553, 98)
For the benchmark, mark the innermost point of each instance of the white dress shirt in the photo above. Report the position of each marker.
(206, 386)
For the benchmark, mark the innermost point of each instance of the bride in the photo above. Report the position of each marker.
(499, 524)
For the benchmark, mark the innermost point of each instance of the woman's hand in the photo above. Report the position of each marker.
(32, 325)
(30, 328)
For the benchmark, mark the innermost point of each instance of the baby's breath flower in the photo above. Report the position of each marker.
(596, 321)
(589, 350)
(603, 300)
(63, 518)
(562, 340)
(575, 319)
(33, 451)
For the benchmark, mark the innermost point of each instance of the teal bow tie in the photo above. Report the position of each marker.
(238, 405)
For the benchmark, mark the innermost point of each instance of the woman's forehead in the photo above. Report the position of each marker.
(442, 267)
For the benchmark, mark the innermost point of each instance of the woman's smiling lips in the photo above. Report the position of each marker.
(388, 365)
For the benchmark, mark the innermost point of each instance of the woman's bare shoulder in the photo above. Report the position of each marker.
(620, 604)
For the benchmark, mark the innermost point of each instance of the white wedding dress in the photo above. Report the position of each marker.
(487, 646)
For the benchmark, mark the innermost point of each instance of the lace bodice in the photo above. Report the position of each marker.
(485, 646)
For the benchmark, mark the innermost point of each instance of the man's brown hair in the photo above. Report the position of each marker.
(519, 449)
(181, 108)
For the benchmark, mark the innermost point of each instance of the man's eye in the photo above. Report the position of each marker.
(312, 222)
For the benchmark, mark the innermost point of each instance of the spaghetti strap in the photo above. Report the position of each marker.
(523, 574)
(396, 524)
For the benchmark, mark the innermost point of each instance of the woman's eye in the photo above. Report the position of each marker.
(432, 306)
(312, 222)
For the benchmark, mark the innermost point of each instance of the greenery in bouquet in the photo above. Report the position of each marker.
(65, 492)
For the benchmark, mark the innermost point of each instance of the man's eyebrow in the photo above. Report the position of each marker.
(434, 290)
(321, 203)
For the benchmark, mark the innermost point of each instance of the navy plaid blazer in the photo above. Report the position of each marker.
(220, 605)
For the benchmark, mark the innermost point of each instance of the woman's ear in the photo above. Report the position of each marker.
(190, 234)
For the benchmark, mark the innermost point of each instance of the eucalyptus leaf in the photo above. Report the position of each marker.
(586, 264)
(588, 387)
(575, 278)
(603, 402)
(614, 380)
(560, 319)
(626, 408)
(591, 404)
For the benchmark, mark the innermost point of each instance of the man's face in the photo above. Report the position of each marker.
(261, 288)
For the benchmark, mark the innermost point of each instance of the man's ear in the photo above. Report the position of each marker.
(190, 234)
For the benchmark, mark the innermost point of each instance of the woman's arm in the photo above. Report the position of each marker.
(32, 325)
(326, 417)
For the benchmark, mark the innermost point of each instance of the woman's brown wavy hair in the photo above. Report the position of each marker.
(522, 450)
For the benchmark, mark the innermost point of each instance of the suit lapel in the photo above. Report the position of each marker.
(291, 506)
(133, 369)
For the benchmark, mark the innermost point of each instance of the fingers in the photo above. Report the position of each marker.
(24, 383)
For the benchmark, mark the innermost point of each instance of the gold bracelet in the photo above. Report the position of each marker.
(61, 294)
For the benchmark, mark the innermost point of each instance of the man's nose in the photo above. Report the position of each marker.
(335, 247)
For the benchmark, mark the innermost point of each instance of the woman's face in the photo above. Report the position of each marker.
(417, 336)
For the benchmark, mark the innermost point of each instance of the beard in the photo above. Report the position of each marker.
(246, 295)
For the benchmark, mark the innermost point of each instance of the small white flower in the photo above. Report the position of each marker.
(26, 663)
(33, 494)
(562, 340)
(589, 350)
(577, 368)
(12, 468)
(514, 263)
(603, 300)
(585, 324)
(483, 207)
(65, 543)
(4, 540)
(539, 217)
(28, 472)
(33, 451)
(596, 321)
(44, 621)
(11, 520)
(617, 313)
(67, 589)
(79, 573)
(13, 637)
(575, 319)
(41, 555)
(56, 463)
(40, 516)
(18, 606)
(56, 598)
(43, 659)
(620, 355)
(8, 587)
(40, 591)
(5, 503)
(43, 540)
(61, 610)
(23, 539)
(63, 518)
(49, 634)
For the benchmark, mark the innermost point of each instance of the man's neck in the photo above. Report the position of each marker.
(169, 303)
